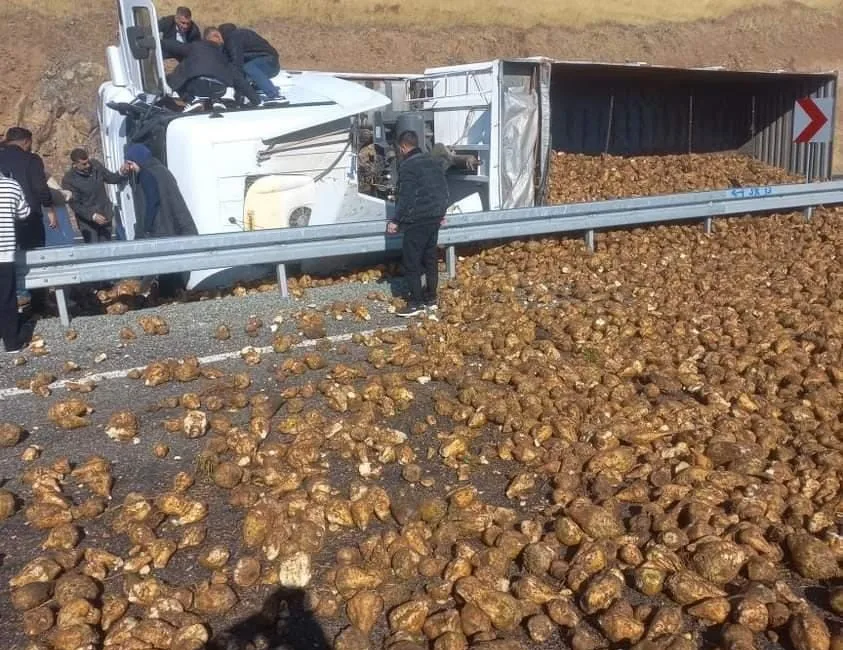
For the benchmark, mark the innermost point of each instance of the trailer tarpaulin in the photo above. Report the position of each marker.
(525, 133)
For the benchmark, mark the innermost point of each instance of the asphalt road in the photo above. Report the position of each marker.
(135, 468)
(98, 347)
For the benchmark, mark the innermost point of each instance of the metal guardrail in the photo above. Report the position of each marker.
(66, 266)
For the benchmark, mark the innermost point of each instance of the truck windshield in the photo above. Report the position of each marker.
(149, 66)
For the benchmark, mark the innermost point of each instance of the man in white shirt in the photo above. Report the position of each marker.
(175, 29)
(13, 208)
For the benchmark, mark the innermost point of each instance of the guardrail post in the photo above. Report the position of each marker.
(61, 301)
(451, 261)
(589, 240)
(282, 281)
(709, 225)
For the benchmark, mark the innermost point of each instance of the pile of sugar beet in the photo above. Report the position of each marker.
(636, 448)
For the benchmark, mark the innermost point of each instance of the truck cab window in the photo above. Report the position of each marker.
(148, 65)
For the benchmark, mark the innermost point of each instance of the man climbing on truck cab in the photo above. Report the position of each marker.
(204, 62)
(254, 55)
(179, 29)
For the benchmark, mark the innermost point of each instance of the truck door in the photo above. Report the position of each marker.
(141, 47)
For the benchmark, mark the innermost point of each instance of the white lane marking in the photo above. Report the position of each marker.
(6, 393)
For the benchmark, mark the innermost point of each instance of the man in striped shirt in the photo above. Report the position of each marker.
(13, 208)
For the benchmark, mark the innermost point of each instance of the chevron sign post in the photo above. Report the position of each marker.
(813, 124)
(812, 120)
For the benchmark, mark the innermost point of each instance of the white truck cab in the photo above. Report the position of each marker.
(300, 164)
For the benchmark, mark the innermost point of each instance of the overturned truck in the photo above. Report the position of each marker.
(328, 156)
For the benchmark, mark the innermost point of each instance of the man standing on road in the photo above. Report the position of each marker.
(13, 209)
(423, 198)
(179, 28)
(251, 53)
(86, 180)
(18, 162)
(162, 206)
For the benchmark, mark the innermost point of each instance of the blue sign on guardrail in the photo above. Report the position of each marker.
(752, 192)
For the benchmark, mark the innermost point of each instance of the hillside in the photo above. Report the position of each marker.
(43, 44)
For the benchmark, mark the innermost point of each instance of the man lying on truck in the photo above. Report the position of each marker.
(203, 63)
(179, 28)
(253, 54)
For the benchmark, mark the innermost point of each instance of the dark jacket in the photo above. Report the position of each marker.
(28, 170)
(423, 195)
(243, 45)
(162, 211)
(206, 59)
(168, 30)
(89, 195)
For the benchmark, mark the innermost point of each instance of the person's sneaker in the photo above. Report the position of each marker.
(219, 106)
(194, 107)
(274, 102)
(432, 304)
(410, 310)
(17, 350)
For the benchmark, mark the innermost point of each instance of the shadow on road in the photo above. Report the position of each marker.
(283, 623)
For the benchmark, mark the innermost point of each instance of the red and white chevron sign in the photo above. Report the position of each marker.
(812, 119)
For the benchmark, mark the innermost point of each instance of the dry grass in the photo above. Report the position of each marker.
(571, 13)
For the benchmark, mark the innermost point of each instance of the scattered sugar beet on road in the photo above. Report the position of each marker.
(636, 448)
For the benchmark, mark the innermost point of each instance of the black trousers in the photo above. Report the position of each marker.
(198, 87)
(30, 235)
(9, 321)
(170, 284)
(419, 256)
(95, 234)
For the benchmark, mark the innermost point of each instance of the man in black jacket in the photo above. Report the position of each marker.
(251, 53)
(423, 198)
(86, 180)
(206, 58)
(17, 161)
(161, 210)
(178, 29)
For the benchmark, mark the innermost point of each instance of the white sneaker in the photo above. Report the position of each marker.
(194, 107)
(274, 103)
(219, 106)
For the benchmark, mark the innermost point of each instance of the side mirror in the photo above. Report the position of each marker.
(141, 42)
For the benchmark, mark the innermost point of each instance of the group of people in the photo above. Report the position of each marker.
(230, 56)
(27, 195)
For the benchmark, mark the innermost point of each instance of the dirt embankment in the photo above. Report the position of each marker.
(47, 90)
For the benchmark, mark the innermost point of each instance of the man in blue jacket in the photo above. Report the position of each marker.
(423, 198)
